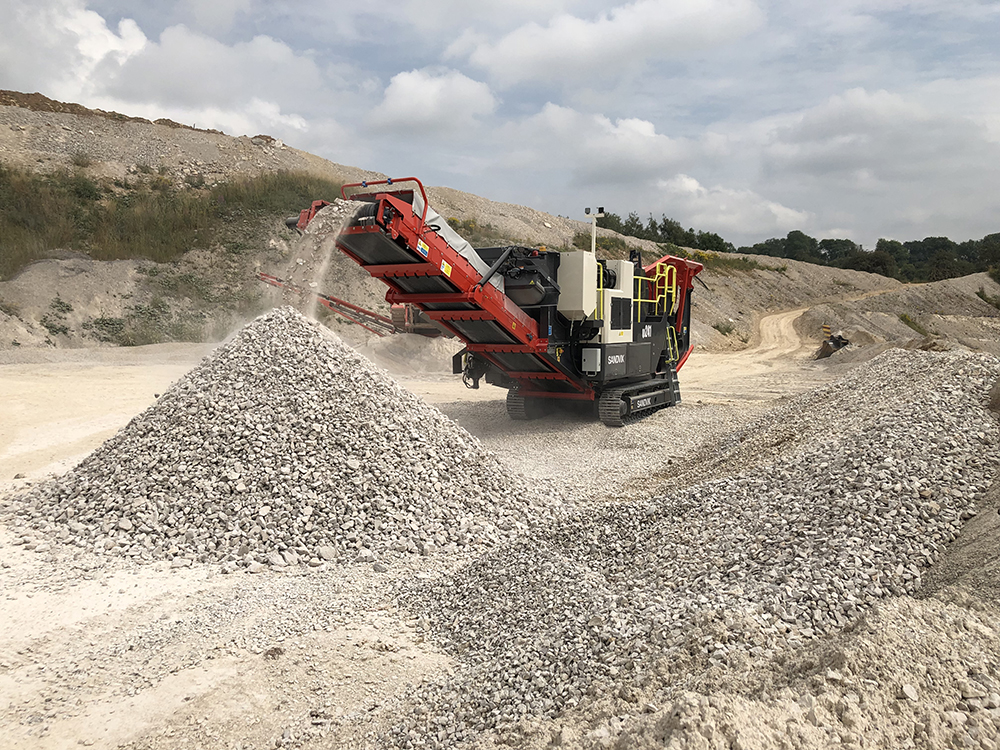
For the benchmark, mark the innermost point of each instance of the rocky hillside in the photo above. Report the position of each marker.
(71, 300)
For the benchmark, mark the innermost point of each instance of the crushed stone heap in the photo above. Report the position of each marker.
(286, 446)
(606, 603)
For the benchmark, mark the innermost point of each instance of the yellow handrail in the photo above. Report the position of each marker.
(599, 313)
(664, 280)
(673, 351)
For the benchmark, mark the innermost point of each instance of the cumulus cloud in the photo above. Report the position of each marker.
(733, 213)
(591, 148)
(432, 101)
(186, 68)
(882, 133)
(886, 164)
(55, 47)
(573, 48)
(977, 98)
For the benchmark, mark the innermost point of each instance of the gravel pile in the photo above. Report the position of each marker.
(892, 461)
(285, 447)
(858, 401)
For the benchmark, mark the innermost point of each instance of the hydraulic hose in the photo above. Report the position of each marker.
(495, 267)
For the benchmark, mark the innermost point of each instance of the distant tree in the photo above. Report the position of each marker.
(611, 221)
(989, 251)
(926, 250)
(672, 231)
(774, 247)
(632, 226)
(833, 251)
(929, 259)
(968, 252)
(878, 261)
(944, 265)
(713, 243)
(800, 246)
(895, 248)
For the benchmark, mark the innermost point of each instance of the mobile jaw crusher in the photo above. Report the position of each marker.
(546, 325)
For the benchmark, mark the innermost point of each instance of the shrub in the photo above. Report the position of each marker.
(80, 159)
(613, 247)
(988, 298)
(60, 305)
(478, 235)
(725, 328)
(721, 262)
(907, 320)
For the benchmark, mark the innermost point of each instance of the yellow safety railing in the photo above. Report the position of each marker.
(664, 285)
(673, 350)
(599, 313)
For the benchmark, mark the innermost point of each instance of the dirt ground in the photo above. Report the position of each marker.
(99, 653)
(92, 651)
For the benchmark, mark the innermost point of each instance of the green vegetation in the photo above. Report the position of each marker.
(720, 262)
(988, 298)
(665, 231)
(929, 259)
(904, 318)
(478, 235)
(148, 219)
(54, 319)
(144, 324)
(725, 328)
(607, 247)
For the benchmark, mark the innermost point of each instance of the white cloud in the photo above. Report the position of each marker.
(442, 17)
(592, 149)
(189, 69)
(55, 47)
(884, 137)
(69, 53)
(432, 101)
(573, 48)
(888, 166)
(733, 213)
(977, 98)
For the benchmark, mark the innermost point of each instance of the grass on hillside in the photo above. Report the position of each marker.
(907, 320)
(145, 219)
(476, 234)
(607, 247)
(721, 262)
(988, 298)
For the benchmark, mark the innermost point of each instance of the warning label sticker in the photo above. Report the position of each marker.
(422, 248)
(446, 268)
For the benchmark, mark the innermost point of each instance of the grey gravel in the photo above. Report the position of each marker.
(284, 446)
(859, 504)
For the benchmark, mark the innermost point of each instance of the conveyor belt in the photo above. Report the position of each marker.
(398, 239)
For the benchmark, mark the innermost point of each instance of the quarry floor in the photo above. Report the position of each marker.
(102, 655)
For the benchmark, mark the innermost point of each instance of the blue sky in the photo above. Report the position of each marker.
(747, 118)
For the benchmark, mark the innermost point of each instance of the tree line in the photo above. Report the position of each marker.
(929, 259)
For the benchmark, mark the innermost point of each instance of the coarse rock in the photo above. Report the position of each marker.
(282, 446)
(733, 568)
